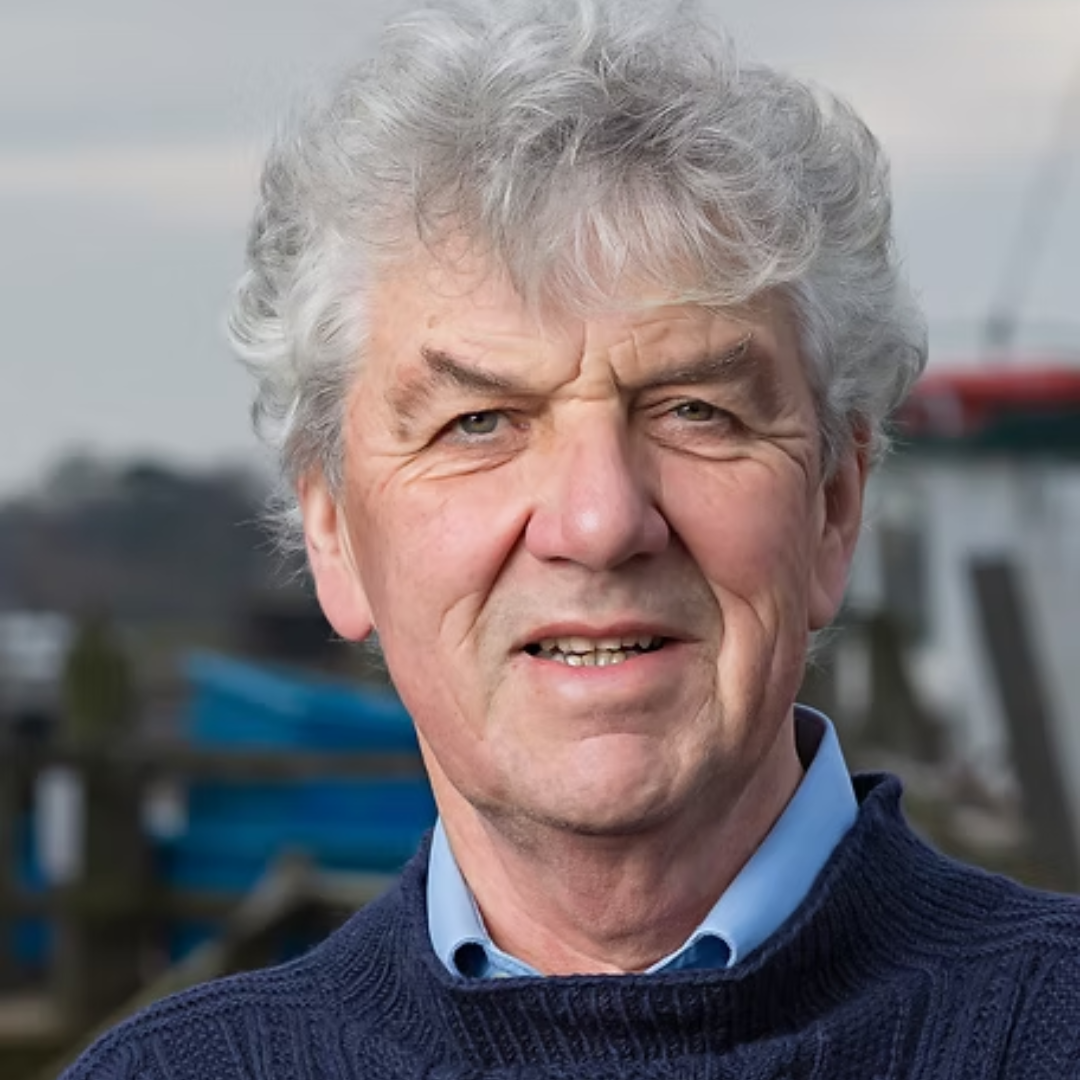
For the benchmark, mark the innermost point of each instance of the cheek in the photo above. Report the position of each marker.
(749, 535)
(433, 550)
(747, 530)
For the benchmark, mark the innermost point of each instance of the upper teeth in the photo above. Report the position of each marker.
(595, 652)
(584, 645)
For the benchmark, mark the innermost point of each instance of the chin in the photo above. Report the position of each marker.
(605, 807)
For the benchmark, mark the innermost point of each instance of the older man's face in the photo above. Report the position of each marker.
(592, 549)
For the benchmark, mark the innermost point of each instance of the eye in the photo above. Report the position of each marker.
(479, 423)
(698, 412)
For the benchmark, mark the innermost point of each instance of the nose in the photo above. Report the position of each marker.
(593, 506)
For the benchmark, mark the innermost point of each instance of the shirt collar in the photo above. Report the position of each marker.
(777, 877)
(764, 894)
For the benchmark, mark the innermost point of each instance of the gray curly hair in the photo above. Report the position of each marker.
(572, 142)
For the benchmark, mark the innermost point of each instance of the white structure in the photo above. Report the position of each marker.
(978, 484)
(33, 649)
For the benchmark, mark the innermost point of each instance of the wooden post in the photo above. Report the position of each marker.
(9, 808)
(1007, 638)
(100, 931)
(896, 718)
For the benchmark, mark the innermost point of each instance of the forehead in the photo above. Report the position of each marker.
(427, 307)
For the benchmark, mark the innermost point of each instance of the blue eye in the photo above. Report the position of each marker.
(479, 423)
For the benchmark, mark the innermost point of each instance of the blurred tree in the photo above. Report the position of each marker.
(77, 477)
(99, 701)
(151, 541)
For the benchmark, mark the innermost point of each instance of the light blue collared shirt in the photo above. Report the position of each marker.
(763, 895)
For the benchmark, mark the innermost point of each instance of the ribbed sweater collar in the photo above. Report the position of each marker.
(882, 898)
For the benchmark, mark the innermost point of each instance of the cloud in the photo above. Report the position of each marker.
(950, 85)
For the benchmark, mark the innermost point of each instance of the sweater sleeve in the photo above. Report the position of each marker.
(114, 1058)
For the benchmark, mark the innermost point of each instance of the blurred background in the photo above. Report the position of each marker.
(194, 777)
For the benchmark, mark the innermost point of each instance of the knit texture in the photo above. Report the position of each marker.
(900, 963)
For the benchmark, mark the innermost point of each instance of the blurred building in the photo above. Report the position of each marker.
(988, 468)
(33, 649)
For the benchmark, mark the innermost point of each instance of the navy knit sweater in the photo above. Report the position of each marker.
(899, 964)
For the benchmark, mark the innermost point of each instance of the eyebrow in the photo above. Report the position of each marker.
(444, 370)
(730, 365)
(745, 364)
(742, 363)
(450, 371)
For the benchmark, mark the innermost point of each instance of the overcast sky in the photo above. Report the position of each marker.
(131, 132)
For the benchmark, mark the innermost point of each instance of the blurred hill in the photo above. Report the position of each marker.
(143, 540)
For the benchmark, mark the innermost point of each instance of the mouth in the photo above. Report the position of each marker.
(594, 652)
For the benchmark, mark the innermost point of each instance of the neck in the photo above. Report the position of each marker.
(568, 903)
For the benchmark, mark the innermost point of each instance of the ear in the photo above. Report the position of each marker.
(842, 495)
(337, 581)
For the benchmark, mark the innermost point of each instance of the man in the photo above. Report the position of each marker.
(578, 340)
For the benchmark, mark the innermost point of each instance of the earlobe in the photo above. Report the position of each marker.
(842, 495)
(337, 579)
